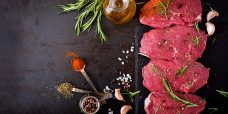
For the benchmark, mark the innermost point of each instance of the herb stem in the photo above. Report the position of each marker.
(92, 9)
(174, 96)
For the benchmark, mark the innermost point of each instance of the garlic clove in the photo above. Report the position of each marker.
(212, 14)
(118, 95)
(124, 109)
(210, 28)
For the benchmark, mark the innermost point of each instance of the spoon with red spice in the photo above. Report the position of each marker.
(79, 65)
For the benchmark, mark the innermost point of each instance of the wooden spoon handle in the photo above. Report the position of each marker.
(88, 80)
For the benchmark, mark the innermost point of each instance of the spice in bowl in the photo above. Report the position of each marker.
(89, 104)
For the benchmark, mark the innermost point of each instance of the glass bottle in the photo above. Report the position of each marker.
(119, 11)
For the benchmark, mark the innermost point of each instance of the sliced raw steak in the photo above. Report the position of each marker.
(183, 77)
(164, 13)
(161, 103)
(177, 42)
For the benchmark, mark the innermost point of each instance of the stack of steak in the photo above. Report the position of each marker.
(173, 74)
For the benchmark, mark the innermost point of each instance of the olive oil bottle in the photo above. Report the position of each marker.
(119, 11)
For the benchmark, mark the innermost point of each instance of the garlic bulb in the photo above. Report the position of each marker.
(118, 95)
(210, 28)
(124, 109)
(212, 14)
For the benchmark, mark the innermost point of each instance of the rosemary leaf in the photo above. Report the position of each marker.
(196, 41)
(181, 70)
(91, 11)
(212, 110)
(196, 26)
(73, 6)
(174, 96)
(213, 41)
(103, 37)
(224, 93)
(162, 8)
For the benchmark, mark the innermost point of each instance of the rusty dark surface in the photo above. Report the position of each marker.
(33, 43)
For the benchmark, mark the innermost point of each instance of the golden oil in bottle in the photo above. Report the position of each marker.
(119, 11)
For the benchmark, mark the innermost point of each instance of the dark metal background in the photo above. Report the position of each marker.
(214, 57)
(33, 42)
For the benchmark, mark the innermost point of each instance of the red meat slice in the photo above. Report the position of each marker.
(179, 12)
(177, 42)
(190, 80)
(161, 103)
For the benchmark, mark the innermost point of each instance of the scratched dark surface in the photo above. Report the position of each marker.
(33, 42)
(214, 57)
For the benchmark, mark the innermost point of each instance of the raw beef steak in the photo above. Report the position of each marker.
(161, 103)
(164, 13)
(183, 77)
(177, 42)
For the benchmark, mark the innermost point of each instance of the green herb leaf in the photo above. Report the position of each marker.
(174, 96)
(181, 70)
(196, 41)
(212, 110)
(196, 26)
(162, 8)
(131, 94)
(224, 93)
(74, 6)
(213, 41)
(91, 11)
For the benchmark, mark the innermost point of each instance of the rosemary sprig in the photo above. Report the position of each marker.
(91, 11)
(131, 94)
(174, 96)
(224, 93)
(163, 8)
(74, 6)
(181, 70)
(212, 110)
(196, 26)
(196, 41)
(213, 41)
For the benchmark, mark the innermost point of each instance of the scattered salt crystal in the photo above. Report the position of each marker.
(122, 63)
(127, 51)
(131, 50)
(111, 112)
(123, 51)
(119, 59)
(107, 88)
(119, 72)
(118, 83)
(126, 57)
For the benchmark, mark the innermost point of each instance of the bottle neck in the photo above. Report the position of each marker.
(117, 5)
